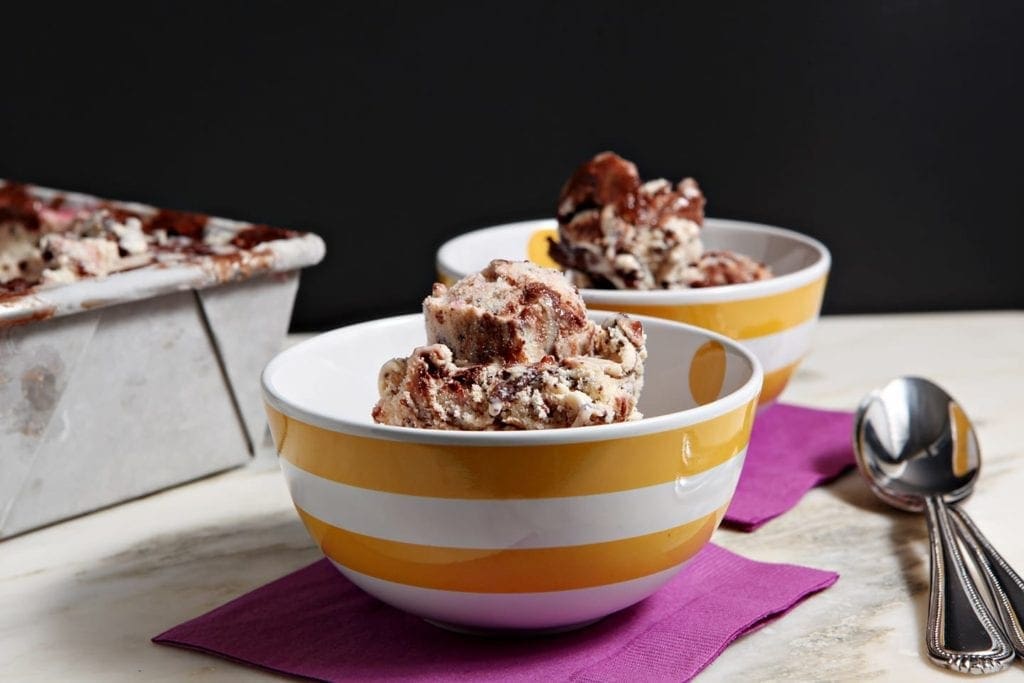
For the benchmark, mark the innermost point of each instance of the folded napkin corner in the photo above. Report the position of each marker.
(792, 449)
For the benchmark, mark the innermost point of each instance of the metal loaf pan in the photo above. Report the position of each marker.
(117, 387)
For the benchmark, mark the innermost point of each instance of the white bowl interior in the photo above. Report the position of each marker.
(784, 251)
(333, 377)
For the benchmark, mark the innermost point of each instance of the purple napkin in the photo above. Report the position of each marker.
(315, 623)
(792, 450)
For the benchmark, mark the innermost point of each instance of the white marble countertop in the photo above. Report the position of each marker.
(80, 600)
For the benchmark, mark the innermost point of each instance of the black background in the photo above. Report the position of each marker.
(890, 130)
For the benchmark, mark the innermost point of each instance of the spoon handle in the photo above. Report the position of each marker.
(1004, 584)
(962, 633)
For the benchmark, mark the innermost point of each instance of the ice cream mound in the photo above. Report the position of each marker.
(616, 231)
(51, 241)
(511, 347)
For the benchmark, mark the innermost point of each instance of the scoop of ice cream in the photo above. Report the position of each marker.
(429, 390)
(729, 268)
(510, 312)
(616, 231)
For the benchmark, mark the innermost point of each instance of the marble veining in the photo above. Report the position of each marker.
(81, 599)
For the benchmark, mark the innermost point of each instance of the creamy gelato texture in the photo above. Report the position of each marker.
(617, 231)
(49, 242)
(509, 312)
(20, 256)
(511, 348)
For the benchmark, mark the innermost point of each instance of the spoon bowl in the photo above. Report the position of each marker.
(913, 441)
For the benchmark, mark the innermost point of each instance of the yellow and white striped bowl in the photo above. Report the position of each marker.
(511, 530)
(773, 318)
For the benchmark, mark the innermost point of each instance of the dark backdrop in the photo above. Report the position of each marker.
(890, 130)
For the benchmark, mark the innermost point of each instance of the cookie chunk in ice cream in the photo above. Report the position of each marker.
(617, 231)
(511, 348)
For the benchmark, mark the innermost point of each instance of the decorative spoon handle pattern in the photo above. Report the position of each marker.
(1004, 584)
(963, 635)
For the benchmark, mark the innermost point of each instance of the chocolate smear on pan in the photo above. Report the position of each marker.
(248, 238)
(178, 224)
(17, 205)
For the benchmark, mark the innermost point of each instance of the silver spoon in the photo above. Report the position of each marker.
(918, 451)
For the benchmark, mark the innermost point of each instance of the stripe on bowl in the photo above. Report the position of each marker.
(775, 382)
(744, 319)
(517, 523)
(512, 610)
(782, 349)
(783, 336)
(496, 472)
(513, 570)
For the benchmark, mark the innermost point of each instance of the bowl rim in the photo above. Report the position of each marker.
(672, 297)
(747, 393)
